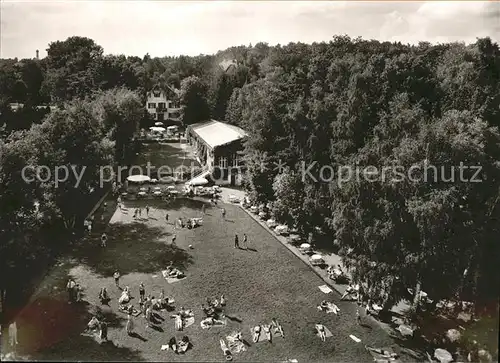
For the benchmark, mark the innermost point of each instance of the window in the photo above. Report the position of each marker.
(152, 105)
(161, 105)
(235, 160)
(156, 93)
(223, 163)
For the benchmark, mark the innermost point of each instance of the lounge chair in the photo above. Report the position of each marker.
(383, 355)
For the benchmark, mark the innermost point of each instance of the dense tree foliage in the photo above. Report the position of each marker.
(353, 104)
(339, 106)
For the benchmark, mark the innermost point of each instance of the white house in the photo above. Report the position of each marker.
(163, 104)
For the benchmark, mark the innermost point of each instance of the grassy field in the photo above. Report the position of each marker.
(264, 282)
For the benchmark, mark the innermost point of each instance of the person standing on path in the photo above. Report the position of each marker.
(104, 239)
(223, 213)
(69, 288)
(140, 212)
(148, 316)
(13, 334)
(245, 241)
(236, 241)
(116, 276)
(166, 218)
(142, 292)
(203, 209)
(358, 316)
(130, 324)
(104, 331)
(174, 238)
(147, 211)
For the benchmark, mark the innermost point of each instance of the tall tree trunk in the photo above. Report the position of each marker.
(416, 297)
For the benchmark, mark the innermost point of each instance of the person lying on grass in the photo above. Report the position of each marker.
(352, 292)
(321, 331)
(93, 324)
(256, 333)
(267, 331)
(183, 345)
(210, 321)
(277, 328)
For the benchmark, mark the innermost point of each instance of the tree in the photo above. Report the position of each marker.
(193, 99)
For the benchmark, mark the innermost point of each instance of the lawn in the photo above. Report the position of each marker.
(264, 282)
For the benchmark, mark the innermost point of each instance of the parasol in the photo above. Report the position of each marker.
(316, 257)
(158, 123)
(138, 178)
(198, 181)
(305, 246)
(453, 335)
(157, 129)
(405, 330)
(443, 355)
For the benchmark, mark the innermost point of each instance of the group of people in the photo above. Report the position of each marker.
(237, 242)
(268, 330)
(100, 325)
(74, 291)
(214, 312)
(138, 212)
(189, 223)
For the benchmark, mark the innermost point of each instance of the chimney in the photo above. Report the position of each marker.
(37, 54)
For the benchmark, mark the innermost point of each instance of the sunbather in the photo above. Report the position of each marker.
(93, 323)
(256, 333)
(383, 352)
(225, 350)
(321, 331)
(125, 297)
(183, 345)
(278, 329)
(267, 331)
(178, 322)
(207, 323)
(103, 296)
(172, 344)
(352, 292)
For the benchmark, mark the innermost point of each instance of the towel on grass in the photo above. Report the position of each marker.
(355, 338)
(172, 280)
(188, 321)
(325, 289)
(328, 333)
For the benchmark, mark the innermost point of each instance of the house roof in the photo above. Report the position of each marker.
(215, 133)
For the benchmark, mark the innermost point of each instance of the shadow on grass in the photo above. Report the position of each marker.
(134, 247)
(138, 336)
(52, 329)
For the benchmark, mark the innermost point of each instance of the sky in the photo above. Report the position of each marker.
(163, 28)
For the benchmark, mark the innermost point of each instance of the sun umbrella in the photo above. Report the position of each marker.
(198, 181)
(443, 355)
(305, 246)
(138, 178)
(453, 335)
(157, 129)
(316, 257)
(158, 123)
(405, 330)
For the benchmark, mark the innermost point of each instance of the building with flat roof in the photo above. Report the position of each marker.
(219, 149)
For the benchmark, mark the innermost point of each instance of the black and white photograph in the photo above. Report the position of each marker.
(249, 181)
